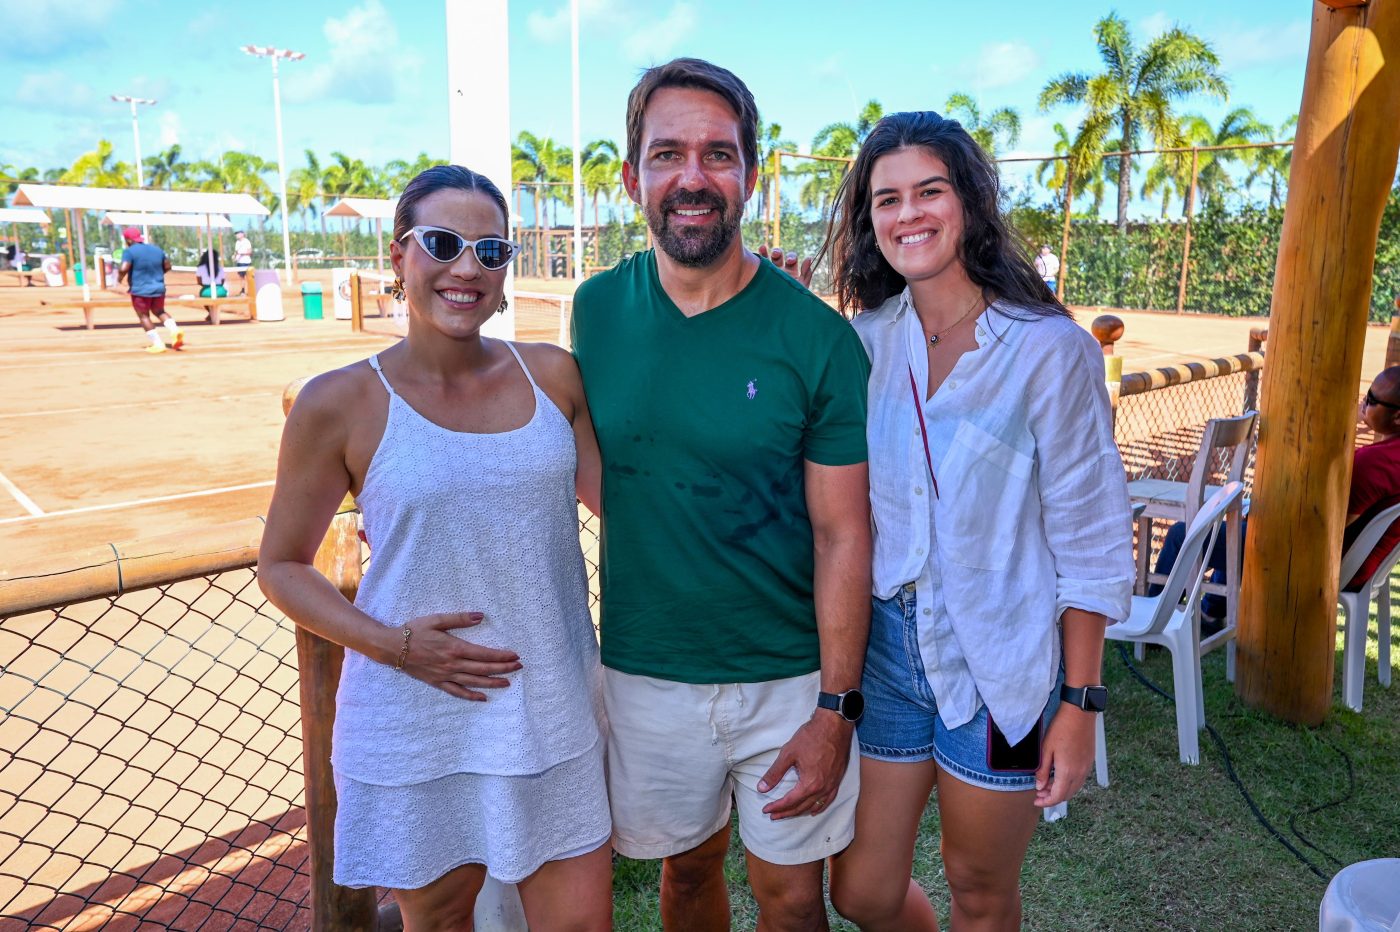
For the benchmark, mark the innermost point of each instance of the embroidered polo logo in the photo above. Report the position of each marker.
(753, 388)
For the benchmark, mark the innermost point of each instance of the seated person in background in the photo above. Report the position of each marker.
(210, 273)
(1375, 486)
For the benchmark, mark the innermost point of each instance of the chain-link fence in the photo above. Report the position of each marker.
(151, 768)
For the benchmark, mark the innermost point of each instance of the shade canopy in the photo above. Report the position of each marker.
(124, 219)
(61, 197)
(12, 215)
(367, 208)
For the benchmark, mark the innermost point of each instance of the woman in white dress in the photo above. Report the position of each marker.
(467, 739)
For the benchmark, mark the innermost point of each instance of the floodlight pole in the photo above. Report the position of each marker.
(578, 155)
(136, 137)
(274, 54)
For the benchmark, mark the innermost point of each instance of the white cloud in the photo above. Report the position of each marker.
(649, 43)
(1242, 48)
(169, 129)
(45, 28)
(54, 92)
(1002, 64)
(367, 63)
(643, 42)
(1152, 26)
(554, 26)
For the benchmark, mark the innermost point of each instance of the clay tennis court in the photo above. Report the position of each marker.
(100, 441)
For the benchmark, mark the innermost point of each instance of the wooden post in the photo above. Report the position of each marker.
(250, 289)
(1343, 166)
(1108, 330)
(1186, 244)
(1064, 232)
(333, 907)
(357, 312)
(1392, 346)
(1257, 337)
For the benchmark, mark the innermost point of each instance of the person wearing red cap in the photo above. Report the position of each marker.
(145, 264)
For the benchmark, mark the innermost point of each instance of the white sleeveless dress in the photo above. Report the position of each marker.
(426, 781)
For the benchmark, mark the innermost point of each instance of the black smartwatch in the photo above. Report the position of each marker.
(1088, 698)
(850, 704)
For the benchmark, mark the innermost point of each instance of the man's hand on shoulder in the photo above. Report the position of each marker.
(820, 751)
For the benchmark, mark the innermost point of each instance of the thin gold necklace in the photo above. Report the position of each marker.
(933, 338)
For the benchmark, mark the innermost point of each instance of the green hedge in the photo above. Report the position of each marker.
(1233, 256)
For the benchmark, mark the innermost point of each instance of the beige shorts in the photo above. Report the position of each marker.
(681, 755)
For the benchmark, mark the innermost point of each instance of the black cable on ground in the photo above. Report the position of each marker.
(1239, 784)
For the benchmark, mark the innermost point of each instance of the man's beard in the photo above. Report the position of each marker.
(693, 247)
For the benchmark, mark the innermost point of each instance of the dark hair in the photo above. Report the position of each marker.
(439, 178)
(700, 75)
(215, 265)
(993, 254)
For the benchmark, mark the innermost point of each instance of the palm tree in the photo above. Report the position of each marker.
(601, 165)
(398, 173)
(98, 169)
(164, 169)
(12, 179)
(347, 177)
(1171, 173)
(538, 161)
(1001, 124)
(1135, 92)
(770, 142)
(1089, 171)
(1274, 163)
(304, 189)
(835, 141)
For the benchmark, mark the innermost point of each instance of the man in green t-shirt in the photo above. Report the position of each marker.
(729, 405)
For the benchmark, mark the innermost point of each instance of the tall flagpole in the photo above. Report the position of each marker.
(578, 153)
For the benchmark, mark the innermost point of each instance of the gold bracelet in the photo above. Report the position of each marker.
(403, 651)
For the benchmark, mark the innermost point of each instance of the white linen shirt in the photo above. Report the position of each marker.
(1031, 515)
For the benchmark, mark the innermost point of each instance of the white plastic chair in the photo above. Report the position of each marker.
(1362, 897)
(1164, 620)
(1057, 812)
(1356, 608)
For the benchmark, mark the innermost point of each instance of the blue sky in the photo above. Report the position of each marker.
(373, 84)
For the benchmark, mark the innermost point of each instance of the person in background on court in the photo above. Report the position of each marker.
(730, 407)
(210, 274)
(1375, 486)
(144, 265)
(467, 736)
(1047, 266)
(1003, 543)
(242, 258)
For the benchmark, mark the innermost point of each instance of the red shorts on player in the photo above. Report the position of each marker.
(153, 304)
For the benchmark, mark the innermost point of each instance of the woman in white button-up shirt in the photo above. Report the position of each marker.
(1002, 530)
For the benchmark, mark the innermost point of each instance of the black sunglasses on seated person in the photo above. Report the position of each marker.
(1371, 399)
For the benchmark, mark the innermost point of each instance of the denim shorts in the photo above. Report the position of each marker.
(902, 723)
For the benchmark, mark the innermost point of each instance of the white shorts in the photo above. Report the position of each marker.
(680, 755)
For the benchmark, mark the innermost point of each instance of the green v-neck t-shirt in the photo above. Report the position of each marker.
(704, 424)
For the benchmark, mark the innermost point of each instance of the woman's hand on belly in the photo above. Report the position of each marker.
(451, 663)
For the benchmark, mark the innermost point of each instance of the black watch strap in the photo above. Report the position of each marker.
(1088, 698)
(850, 704)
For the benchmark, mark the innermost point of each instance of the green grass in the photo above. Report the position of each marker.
(1166, 845)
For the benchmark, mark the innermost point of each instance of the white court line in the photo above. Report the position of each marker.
(25, 501)
(138, 404)
(114, 353)
(140, 501)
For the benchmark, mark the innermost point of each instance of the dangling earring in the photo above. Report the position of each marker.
(504, 304)
(396, 289)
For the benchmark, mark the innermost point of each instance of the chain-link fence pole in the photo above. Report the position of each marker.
(1186, 241)
(333, 907)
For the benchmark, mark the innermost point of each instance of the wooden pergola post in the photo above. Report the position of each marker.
(333, 908)
(1343, 166)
